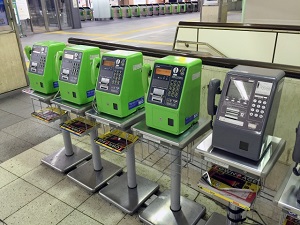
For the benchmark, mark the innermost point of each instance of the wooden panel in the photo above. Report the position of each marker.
(11, 69)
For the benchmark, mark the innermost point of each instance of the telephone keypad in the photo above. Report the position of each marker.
(258, 108)
(70, 67)
(174, 88)
(38, 59)
(75, 69)
(42, 61)
(117, 77)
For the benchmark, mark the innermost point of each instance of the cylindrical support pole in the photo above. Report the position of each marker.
(130, 163)
(235, 215)
(175, 180)
(96, 151)
(67, 139)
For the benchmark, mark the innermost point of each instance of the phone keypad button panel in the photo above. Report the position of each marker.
(70, 67)
(38, 59)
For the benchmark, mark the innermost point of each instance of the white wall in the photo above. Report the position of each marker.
(285, 12)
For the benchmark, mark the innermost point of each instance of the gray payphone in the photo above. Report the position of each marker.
(247, 110)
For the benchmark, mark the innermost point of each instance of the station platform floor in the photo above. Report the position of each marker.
(153, 32)
(32, 193)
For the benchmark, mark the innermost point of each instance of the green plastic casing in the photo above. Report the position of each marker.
(131, 95)
(46, 81)
(83, 91)
(187, 113)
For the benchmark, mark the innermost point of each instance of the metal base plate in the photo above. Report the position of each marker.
(128, 199)
(62, 163)
(217, 219)
(159, 212)
(92, 180)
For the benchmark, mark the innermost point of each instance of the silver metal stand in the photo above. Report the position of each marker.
(129, 191)
(69, 156)
(95, 173)
(169, 208)
(236, 215)
(286, 196)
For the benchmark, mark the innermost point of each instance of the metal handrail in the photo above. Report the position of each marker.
(291, 71)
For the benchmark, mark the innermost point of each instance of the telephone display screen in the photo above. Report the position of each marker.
(108, 63)
(165, 72)
(240, 89)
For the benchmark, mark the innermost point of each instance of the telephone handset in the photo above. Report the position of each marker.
(213, 90)
(296, 152)
(296, 157)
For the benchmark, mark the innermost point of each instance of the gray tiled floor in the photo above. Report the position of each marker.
(31, 193)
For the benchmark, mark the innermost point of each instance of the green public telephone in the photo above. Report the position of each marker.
(173, 99)
(41, 71)
(120, 82)
(75, 84)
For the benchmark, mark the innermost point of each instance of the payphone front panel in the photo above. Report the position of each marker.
(41, 71)
(111, 76)
(173, 98)
(119, 88)
(70, 67)
(247, 111)
(38, 59)
(75, 82)
(166, 85)
(247, 103)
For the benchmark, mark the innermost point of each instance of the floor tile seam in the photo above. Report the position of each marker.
(40, 150)
(33, 144)
(168, 164)
(74, 208)
(152, 154)
(125, 214)
(24, 173)
(27, 202)
(94, 194)
(10, 181)
(77, 208)
(66, 215)
(37, 186)
(21, 153)
(5, 110)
